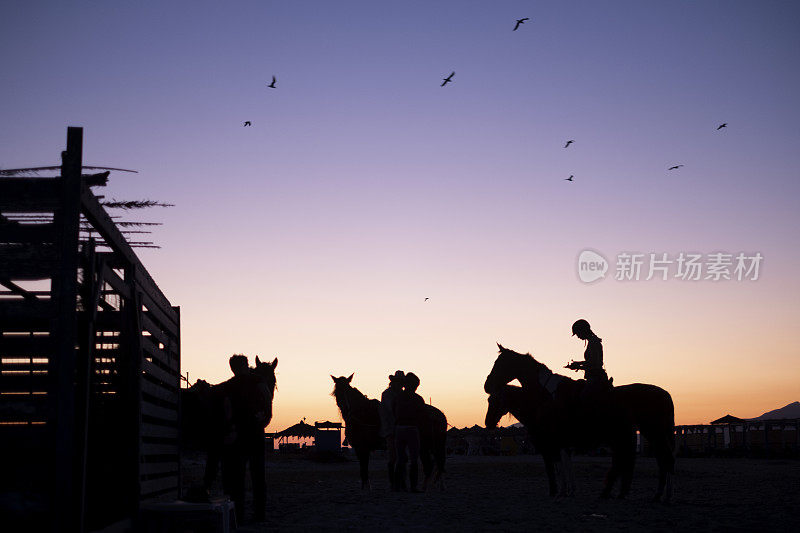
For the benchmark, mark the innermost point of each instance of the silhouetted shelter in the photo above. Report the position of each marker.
(728, 419)
(301, 429)
(89, 358)
(294, 436)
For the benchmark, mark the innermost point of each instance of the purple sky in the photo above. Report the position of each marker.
(363, 186)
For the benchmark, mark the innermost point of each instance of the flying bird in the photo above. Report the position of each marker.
(676, 167)
(569, 178)
(723, 125)
(272, 85)
(520, 21)
(568, 143)
(247, 123)
(448, 78)
(426, 299)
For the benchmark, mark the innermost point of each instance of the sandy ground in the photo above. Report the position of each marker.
(509, 493)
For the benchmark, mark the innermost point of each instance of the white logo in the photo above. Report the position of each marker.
(591, 266)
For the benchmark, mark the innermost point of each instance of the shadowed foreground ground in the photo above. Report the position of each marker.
(509, 493)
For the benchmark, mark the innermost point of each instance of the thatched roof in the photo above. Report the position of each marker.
(301, 429)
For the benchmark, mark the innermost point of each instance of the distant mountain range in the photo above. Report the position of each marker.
(790, 411)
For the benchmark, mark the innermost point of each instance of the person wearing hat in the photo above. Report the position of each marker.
(592, 365)
(388, 413)
(410, 416)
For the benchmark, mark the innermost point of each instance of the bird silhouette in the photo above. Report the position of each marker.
(568, 143)
(520, 21)
(448, 78)
(247, 123)
(426, 299)
(272, 85)
(723, 125)
(676, 167)
(569, 178)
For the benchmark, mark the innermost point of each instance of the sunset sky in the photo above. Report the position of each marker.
(363, 187)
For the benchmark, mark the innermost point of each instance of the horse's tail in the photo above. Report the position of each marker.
(439, 436)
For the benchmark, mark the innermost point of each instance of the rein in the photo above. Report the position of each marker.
(549, 380)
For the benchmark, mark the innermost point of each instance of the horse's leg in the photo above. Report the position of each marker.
(363, 463)
(391, 459)
(258, 475)
(440, 456)
(611, 476)
(213, 459)
(627, 475)
(562, 474)
(549, 468)
(426, 456)
(567, 457)
(666, 469)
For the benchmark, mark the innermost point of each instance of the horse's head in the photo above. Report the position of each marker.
(506, 368)
(266, 371)
(498, 407)
(341, 387)
(341, 384)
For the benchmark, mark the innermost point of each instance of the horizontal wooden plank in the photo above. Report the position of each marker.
(156, 411)
(22, 323)
(23, 195)
(147, 448)
(23, 407)
(150, 487)
(116, 282)
(155, 299)
(153, 430)
(167, 321)
(28, 438)
(170, 395)
(109, 321)
(162, 356)
(20, 364)
(28, 233)
(23, 382)
(168, 378)
(148, 469)
(28, 262)
(22, 310)
(167, 339)
(19, 346)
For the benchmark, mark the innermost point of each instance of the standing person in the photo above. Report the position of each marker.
(411, 415)
(246, 393)
(592, 365)
(388, 411)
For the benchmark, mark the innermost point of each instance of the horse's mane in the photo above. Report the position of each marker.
(537, 365)
(357, 400)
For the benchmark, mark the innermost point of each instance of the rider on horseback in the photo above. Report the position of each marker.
(597, 381)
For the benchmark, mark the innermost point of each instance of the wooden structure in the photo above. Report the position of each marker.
(89, 360)
(776, 438)
(328, 437)
(295, 437)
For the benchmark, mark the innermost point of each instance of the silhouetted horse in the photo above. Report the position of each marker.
(362, 430)
(549, 439)
(207, 416)
(646, 407)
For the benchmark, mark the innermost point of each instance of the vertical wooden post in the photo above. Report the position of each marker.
(177, 310)
(61, 365)
(132, 332)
